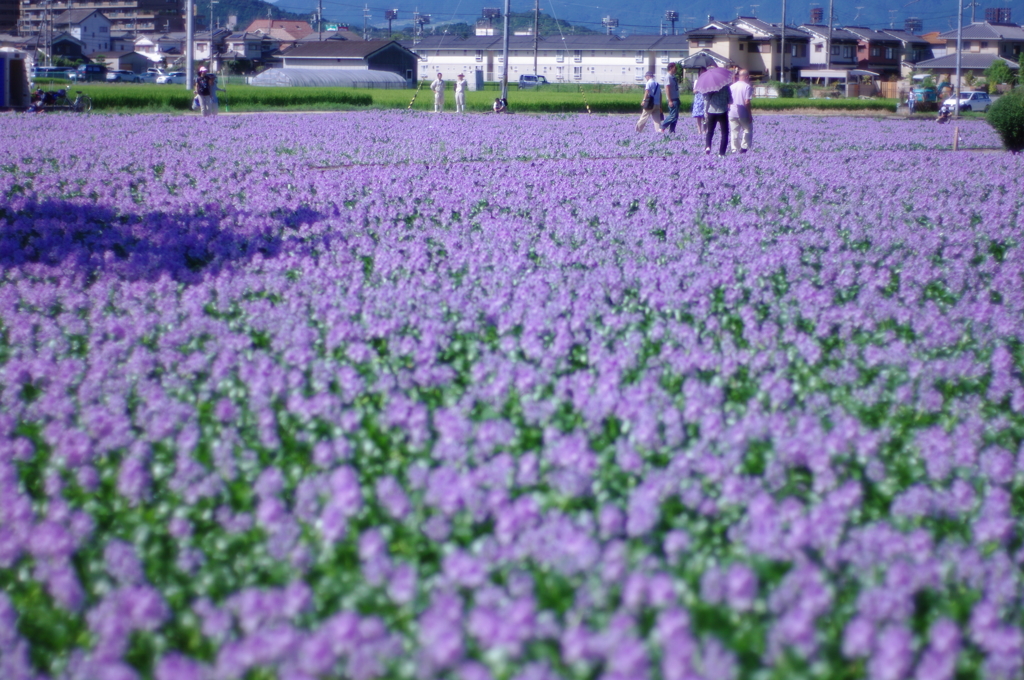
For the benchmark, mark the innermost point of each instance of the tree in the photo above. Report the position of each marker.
(999, 72)
(1007, 117)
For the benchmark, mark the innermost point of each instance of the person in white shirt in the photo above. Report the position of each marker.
(438, 87)
(652, 90)
(741, 121)
(460, 94)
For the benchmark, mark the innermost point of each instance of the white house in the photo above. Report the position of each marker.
(89, 26)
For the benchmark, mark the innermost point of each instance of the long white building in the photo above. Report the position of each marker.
(569, 59)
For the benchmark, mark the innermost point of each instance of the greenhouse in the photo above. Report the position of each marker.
(330, 77)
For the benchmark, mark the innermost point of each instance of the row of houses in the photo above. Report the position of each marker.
(745, 42)
(89, 34)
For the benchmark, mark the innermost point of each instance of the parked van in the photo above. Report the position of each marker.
(526, 82)
(88, 73)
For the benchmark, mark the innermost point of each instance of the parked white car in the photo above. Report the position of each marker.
(176, 78)
(971, 101)
(120, 76)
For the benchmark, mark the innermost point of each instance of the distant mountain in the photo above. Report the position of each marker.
(635, 17)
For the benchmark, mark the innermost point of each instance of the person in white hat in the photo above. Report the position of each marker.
(202, 91)
(460, 93)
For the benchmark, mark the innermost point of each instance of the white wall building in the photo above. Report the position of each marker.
(569, 59)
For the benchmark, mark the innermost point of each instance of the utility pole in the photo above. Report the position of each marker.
(190, 46)
(828, 43)
(212, 3)
(782, 46)
(536, 29)
(504, 50)
(366, 16)
(320, 20)
(959, 53)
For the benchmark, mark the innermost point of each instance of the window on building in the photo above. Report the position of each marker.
(638, 73)
(984, 44)
(741, 47)
(560, 56)
(835, 50)
(875, 51)
(890, 53)
(577, 72)
(639, 56)
(103, 29)
(577, 55)
(703, 43)
(765, 48)
(479, 55)
(819, 47)
(847, 51)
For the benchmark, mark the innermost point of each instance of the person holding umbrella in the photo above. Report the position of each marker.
(714, 83)
(700, 61)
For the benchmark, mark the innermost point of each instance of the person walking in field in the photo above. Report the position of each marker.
(741, 119)
(460, 93)
(438, 87)
(650, 105)
(672, 92)
(697, 112)
(202, 91)
(717, 114)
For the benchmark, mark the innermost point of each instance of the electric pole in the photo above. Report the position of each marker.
(190, 47)
(504, 49)
(536, 28)
(828, 44)
(782, 46)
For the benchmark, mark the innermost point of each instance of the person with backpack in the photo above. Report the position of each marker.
(202, 91)
(650, 105)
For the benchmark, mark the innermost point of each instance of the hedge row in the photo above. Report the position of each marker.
(247, 97)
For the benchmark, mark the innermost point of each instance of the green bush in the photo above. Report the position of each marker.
(1007, 117)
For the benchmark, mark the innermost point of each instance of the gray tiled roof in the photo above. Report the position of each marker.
(75, 16)
(908, 38)
(871, 35)
(970, 61)
(838, 34)
(983, 30)
(340, 48)
(773, 29)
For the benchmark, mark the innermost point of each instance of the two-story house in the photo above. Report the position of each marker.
(877, 51)
(913, 50)
(722, 38)
(983, 43)
(763, 51)
(209, 45)
(89, 26)
(842, 44)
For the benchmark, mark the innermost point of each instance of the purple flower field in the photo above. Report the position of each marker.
(389, 395)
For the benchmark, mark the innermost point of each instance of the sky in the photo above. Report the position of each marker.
(645, 16)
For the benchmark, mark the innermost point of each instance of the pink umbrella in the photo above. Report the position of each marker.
(713, 80)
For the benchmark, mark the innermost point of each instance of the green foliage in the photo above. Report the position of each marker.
(177, 98)
(785, 90)
(555, 99)
(999, 73)
(1007, 117)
